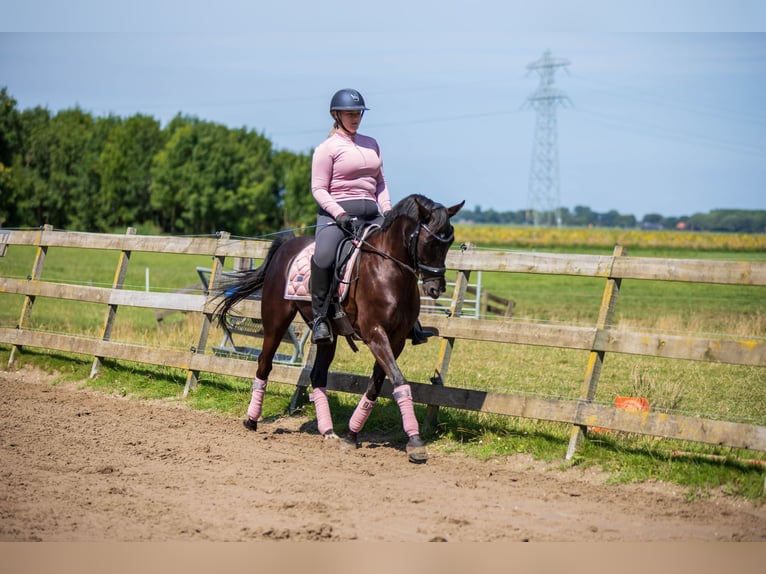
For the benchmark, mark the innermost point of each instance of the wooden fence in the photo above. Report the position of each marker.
(597, 340)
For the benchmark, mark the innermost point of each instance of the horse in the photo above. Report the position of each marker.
(382, 305)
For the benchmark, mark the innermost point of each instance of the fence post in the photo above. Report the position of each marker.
(29, 300)
(596, 358)
(192, 376)
(447, 344)
(111, 312)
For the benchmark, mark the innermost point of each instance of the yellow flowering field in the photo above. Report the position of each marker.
(542, 237)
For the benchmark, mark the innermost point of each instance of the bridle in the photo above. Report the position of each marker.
(417, 267)
(412, 248)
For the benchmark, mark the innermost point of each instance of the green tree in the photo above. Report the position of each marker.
(209, 178)
(583, 216)
(299, 208)
(73, 141)
(10, 139)
(626, 221)
(84, 213)
(168, 168)
(31, 169)
(124, 169)
(652, 221)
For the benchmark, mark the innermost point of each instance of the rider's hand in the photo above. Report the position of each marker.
(345, 222)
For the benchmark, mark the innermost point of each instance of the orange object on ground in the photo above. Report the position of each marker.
(639, 404)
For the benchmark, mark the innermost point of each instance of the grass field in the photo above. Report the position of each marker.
(710, 390)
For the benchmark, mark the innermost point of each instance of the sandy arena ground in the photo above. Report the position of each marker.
(77, 465)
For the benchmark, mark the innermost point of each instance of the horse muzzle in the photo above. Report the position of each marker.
(434, 286)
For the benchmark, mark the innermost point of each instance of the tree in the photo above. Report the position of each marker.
(10, 138)
(583, 216)
(208, 178)
(31, 169)
(124, 169)
(626, 221)
(58, 182)
(83, 209)
(298, 205)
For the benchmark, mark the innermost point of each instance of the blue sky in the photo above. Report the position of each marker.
(667, 113)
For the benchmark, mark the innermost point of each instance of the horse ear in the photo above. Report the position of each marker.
(455, 208)
(423, 210)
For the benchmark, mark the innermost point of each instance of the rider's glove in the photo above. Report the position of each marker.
(345, 222)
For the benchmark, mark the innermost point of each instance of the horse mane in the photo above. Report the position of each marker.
(411, 207)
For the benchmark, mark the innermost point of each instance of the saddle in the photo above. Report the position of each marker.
(298, 284)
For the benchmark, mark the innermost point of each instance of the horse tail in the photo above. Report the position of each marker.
(242, 284)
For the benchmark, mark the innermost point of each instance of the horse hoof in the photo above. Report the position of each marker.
(351, 439)
(250, 424)
(416, 450)
(330, 435)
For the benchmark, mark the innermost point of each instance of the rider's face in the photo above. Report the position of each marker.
(350, 120)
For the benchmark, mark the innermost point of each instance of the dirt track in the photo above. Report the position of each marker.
(78, 465)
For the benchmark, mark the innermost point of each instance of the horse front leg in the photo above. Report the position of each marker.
(385, 355)
(364, 407)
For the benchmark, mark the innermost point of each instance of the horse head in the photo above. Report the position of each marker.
(430, 241)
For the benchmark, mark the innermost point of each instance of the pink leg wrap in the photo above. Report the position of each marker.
(324, 418)
(361, 414)
(403, 396)
(256, 401)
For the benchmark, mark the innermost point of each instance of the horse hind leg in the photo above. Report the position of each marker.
(260, 381)
(273, 331)
(256, 404)
(324, 357)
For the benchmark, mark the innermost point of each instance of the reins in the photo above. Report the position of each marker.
(412, 250)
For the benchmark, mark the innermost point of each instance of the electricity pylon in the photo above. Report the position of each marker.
(544, 170)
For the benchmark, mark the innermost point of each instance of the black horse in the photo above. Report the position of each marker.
(382, 306)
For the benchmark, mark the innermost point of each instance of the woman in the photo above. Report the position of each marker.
(348, 184)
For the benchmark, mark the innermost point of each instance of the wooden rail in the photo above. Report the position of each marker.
(598, 340)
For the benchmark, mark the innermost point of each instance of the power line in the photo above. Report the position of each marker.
(666, 133)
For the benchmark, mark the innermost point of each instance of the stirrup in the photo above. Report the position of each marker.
(319, 335)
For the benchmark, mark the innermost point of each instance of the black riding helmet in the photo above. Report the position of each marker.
(346, 100)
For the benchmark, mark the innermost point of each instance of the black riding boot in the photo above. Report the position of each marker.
(419, 335)
(321, 282)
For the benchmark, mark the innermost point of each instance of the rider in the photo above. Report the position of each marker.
(348, 184)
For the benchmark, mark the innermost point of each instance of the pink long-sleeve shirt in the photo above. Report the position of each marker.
(348, 167)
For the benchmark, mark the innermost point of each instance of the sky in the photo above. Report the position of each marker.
(666, 99)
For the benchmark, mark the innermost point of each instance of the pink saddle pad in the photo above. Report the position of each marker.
(298, 286)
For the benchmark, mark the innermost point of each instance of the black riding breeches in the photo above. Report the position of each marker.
(328, 235)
